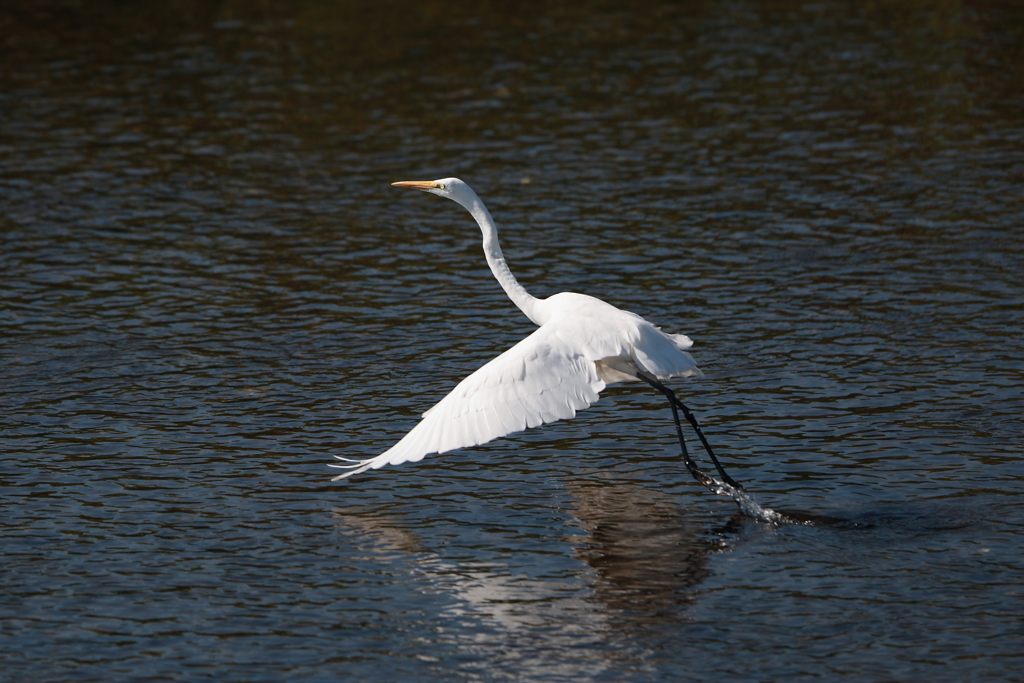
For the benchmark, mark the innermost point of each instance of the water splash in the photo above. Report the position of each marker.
(750, 507)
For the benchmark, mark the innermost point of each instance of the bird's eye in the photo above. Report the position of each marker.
(440, 186)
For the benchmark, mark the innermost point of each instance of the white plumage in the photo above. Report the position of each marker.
(582, 345)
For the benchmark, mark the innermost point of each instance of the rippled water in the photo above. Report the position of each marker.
(209, 289)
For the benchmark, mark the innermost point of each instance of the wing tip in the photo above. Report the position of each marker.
(355, 467)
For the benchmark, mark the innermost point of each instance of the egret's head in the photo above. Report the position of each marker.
(450, 188)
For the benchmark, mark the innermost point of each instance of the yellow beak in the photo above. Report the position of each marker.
(417, 184)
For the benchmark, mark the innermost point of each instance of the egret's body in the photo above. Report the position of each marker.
(582, 344)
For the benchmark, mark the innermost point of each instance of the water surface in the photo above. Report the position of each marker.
(209, 289)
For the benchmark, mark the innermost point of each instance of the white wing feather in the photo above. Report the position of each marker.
(541, 379)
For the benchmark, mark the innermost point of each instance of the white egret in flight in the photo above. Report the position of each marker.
(581, 345)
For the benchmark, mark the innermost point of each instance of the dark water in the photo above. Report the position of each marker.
(209, 289)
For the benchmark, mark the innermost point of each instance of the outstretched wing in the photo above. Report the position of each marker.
(541, 379)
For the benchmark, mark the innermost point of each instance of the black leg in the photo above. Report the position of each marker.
(676, 406)
(691, 466)
(697, 473)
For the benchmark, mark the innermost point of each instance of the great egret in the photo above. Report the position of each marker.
(582, 345)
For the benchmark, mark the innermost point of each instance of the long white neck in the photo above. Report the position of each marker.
(527, 303)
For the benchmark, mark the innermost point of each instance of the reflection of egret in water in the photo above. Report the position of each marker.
(547, 616)
(645, 552)
(541, 628)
